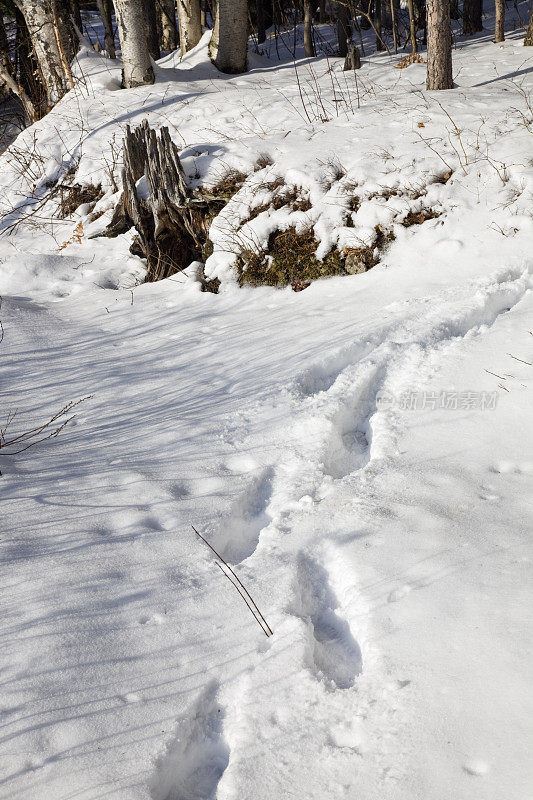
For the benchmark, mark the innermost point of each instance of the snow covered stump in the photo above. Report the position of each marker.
(169, 219)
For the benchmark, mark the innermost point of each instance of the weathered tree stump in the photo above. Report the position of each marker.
(169, 218)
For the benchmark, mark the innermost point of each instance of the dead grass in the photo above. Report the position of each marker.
(72, 197)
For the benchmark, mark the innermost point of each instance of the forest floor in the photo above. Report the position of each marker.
(358, 452)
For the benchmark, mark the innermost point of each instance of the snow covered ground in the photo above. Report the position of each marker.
(360, 452)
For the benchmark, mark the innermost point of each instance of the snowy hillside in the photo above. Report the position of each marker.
(359, 452)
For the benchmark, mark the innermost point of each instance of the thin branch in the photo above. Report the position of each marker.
(270, 631)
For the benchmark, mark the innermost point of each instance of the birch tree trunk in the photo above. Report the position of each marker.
(27, 67)
(309, 45)
(8, 74)
(39, 20)
(228, 48)
(105, 10)
(499, 22)
(166, 10)
(189, 15)
(439, 70)
(528, 41)
(137, 67)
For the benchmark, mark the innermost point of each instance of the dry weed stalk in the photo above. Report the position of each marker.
(240, 587)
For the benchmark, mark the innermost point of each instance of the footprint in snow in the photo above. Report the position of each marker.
(334, 653)
(195, 760)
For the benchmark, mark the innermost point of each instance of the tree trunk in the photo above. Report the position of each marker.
(152, 36)
(377, 25)
(412, 26)
(228, 48)
(528, 41)
(8, 74)
(309, 45)
(39, 18)
(5, 56)
(105, 9)
(189, 16)
(260, 13)
(76, 14)
(137, 67)
(439, 70)
(499, 22)
(166, 10)
(27, 68)
(394, 23)
(472, 22)
(344, 31)
(322, 12)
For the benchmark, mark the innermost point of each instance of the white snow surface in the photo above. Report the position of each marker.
(360, 452)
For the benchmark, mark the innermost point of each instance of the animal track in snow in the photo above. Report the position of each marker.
(334, 653)
(248, 517)
(196, 759)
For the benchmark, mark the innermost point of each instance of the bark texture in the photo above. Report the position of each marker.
(412, 25)
(309, 45)
(499, 22)
(152, 36)
(189, 15)
(439, 69)
(105, 10)
(137, 67)
(166, 11)
(472, 22)
(377, 24)
(228, 48)
(169, 219)
(344, 31)
(39, 18)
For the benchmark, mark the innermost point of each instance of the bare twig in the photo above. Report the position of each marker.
(263, 623)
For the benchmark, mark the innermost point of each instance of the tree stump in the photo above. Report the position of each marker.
(353, 58)
(169, 218)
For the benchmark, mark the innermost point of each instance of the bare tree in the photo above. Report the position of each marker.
(377, 24)
(166, 11)
(189, 15)
(439, 69)
(137, 69)
(105, 9)
(412, 25)
(228, 48)
(8, 74)
(472, 22)
(152, 35)
(309, 45)
(344, 31)
(50, 46)
(499, 22)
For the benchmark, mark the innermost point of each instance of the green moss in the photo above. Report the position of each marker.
(292, 260)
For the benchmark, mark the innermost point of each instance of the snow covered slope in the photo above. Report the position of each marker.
(359, 452)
